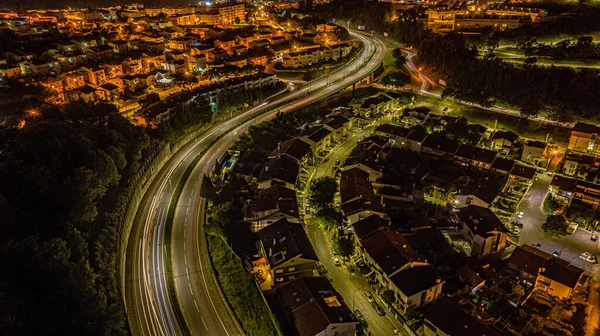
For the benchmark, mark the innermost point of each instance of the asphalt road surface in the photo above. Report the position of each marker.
(350, 286)
(203, 307)
(569, 247)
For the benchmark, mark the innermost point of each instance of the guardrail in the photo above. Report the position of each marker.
(167, 152)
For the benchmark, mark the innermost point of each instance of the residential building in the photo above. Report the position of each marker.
(502, 166)
(479, 194)
(312, 307)
(357, 197)
(585, 139)
(475, 156)
(446, 318)
(278, 171)
(533, 151)
(439, 145)
(483, 230)
(503, 141)
(271, 205)
(317, 136)
(295, 149)
(552, 275)
(396, 266)
(288, 251)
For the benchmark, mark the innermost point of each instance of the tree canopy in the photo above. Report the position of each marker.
(60, 206)
(555, 226)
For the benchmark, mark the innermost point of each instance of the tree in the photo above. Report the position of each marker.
(530, 61)
(555, 226)
(389, 296)
(550, 204)
(400, 61)
(207, 189)
(321, 192)
(530, 108)
(329, 218)
(560, 116)
(344, 245)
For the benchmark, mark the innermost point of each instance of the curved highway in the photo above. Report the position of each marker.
(201, 302)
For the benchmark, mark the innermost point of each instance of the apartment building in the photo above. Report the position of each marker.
(483, 230)
(585, 139)
(315, 55)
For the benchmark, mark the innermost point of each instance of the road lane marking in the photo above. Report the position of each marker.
(190, 285)
(198, 309)
(203, 322)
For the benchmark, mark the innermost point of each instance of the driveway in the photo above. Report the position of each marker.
(569, 247)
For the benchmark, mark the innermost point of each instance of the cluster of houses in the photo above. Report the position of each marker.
(577, 179)
(120, 54)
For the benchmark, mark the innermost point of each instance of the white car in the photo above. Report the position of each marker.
(397, 332)
(520, 215)
(337, 262)
(587, 256)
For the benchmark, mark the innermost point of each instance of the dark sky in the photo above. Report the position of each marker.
(26, 4)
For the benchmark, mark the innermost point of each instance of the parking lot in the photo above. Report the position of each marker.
(569, 247)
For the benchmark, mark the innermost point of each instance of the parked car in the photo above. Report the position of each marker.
(336, 261)
(358, 314)
(369, 296)
(594, 237)
(518, 224)
(521, 215)
(397, 332)
(587, 256)
(538, 246)
(378, 308)
(556, 254)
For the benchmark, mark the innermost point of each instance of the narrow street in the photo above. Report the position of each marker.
(350, 286)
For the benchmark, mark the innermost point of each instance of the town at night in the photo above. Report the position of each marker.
(300, 167)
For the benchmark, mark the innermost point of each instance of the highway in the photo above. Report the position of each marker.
(152, 311)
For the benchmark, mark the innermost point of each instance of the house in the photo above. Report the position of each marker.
(552, 275)
(476, 194)
(338, 125)
(504, 141)
(366, 226)
(587, 194)
(502, 166)
(288, 251)
(398, 136)
(109, 92)
(403, 192)
(470, 278)
(271, 205)
(155, 114)
(436, 144)
(312, 307)
(475, 156)
(584, 139)
(396, 266)
(9, 71)
(483, 230)
(533, 151)
(326, 27)
(84, 93)
(446, 318)
(364, 157)
(379, 104)
(522, 173)
(295, 149)
(317, 136)
(563, 186)
(357, 197)
(415, 140)
(278, 171)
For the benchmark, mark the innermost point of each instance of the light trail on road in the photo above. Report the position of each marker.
(204, 309)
